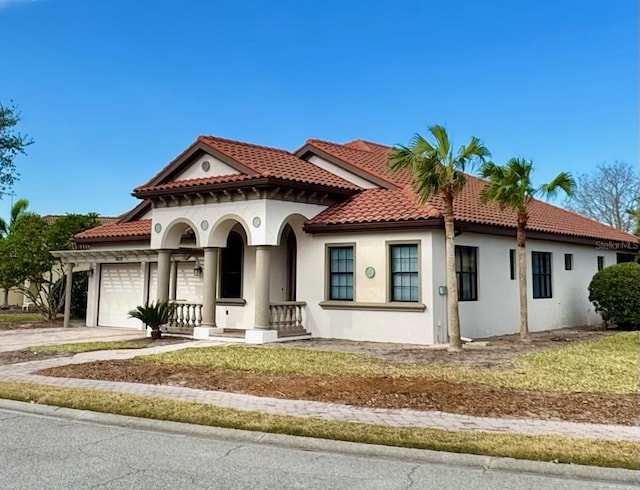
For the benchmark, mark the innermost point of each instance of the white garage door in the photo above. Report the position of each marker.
(189, 288)
(120, 292)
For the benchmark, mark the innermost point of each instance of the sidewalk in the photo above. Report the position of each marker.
(23, 373)
(21, 339)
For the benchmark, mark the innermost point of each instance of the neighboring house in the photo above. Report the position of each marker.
(326, 241)
(17, 298)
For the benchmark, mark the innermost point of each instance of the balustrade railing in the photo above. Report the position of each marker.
(184, 318)
(286, 316)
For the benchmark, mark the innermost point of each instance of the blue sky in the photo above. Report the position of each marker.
(112, 91)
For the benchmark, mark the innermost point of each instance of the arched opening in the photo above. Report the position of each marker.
(231, 265)
(292, 254)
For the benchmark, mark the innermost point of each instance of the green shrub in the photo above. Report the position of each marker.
(79, 288)
(615, 292)
(154, 315)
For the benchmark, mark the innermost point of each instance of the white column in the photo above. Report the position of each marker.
(263, 262)
(262, 332)
(173, 288)
(164, 271)
(209, 278)
(67, 295)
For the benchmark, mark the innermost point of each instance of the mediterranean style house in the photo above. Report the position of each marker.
(258, 244)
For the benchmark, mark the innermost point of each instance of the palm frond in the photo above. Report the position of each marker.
(443, 147)
(561, 182)
(154, 315)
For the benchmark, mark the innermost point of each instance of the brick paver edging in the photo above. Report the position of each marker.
(23, 373)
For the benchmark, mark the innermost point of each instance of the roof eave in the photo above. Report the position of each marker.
(258, 183)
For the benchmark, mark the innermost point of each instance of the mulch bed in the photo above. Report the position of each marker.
(18, 356)
(380, 392)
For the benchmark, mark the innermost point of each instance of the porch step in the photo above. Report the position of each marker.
(297, 332)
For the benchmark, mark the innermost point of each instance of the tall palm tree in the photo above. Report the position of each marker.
(18, 209)
(510, 187)
(438, 171)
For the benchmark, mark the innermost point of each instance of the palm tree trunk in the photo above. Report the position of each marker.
(522, 276)
(455, 343)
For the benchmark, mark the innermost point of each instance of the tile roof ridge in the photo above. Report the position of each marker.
(352, 145)
(206, 138)
(386, 178)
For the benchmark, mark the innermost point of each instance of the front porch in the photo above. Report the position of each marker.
(285, 318)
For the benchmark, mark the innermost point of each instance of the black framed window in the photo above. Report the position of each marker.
(512, 264)
(467, 273)
(231, 267)
(568, 262)
(623, 257)
(600, 262)
(404, 272)
(341, 273)
(541, 272)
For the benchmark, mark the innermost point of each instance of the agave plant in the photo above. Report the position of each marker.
(154, 315)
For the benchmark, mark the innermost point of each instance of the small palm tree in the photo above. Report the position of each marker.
(154, 315)
(510, 187)
(17, 210)
(438, 171)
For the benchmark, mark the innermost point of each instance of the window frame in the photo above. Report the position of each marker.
(222, 268)
(513, 268)
(328, 273)
(540, 292)
(390, 274)
(568, 262)
(600, 262)
(461, 273)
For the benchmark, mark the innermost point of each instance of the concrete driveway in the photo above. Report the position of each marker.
(21, 339)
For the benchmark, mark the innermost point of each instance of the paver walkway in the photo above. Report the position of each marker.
(303, 408)
(23, 338)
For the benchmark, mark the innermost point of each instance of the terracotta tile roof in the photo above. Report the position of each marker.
(199, 182)
(264, 161)
(384, 205)
(377, 206)
(132, 229)
(372, 160)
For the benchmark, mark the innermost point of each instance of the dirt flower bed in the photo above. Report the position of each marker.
(381, 392)
(495, 352)
(18, 356)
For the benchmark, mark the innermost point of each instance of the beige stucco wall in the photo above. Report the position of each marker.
(497, 309)
(216, 167)
(365, 323)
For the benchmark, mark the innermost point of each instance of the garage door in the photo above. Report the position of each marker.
(189, 288)
(120, 292)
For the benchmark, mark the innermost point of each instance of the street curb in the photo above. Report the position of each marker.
(511, 465)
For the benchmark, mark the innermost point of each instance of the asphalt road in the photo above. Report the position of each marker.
(41, 452)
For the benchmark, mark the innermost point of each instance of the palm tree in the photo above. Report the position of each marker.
(510, 187)
(154, 315)
(438, 171)
(18, 209)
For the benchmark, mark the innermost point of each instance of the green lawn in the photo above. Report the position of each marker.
(606, 365)
(10, 320)
(542, 448)
(75, 348)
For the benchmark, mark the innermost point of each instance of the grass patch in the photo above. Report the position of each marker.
(75, 348)
(8, 320)
(606, 365)
(542, 448)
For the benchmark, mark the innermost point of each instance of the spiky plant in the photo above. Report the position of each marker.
(154, 315)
